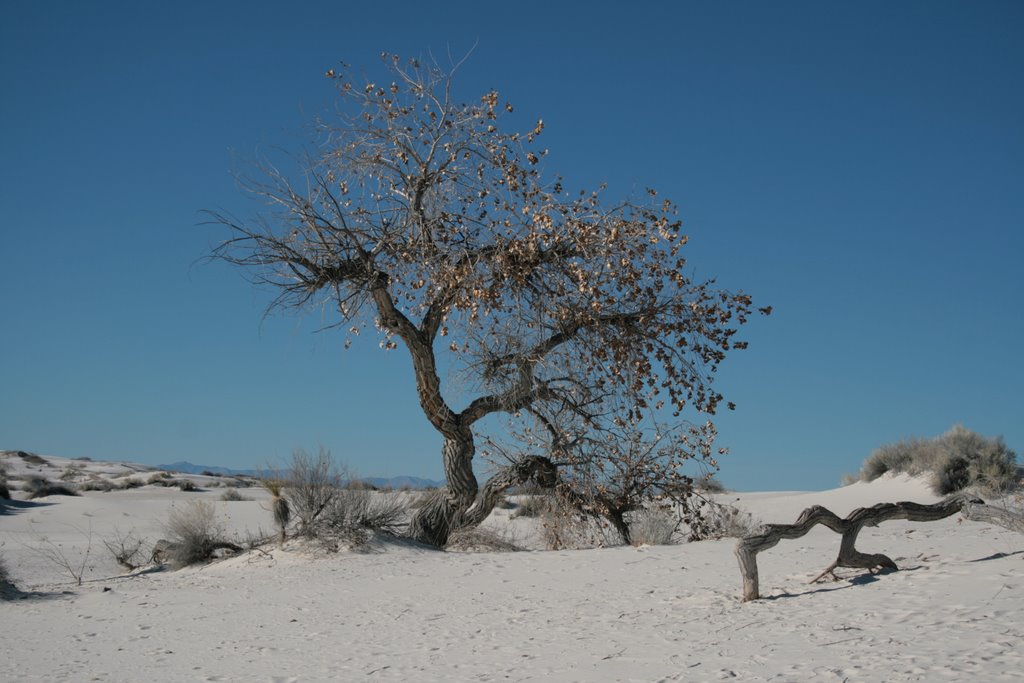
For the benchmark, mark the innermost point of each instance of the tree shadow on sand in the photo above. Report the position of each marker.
(846, 583)
(14, 507)
(998, 556)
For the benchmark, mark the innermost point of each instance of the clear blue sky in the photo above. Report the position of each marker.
(858, 166)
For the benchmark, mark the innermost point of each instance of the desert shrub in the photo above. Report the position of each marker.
(71, 472)
(38, 487)
(564, 527)
(535, 506)
(896, 458)
(159, 478)
(970, 459)
(131, 483)
(125, 548)
(708, 484)
(5, 494)
(194, 533)
(354, 509)
(278, 506)
(956, 460)
(724, 521)
(232, 495)
(312, 484)
(71, 559)
(31, 458)
(187, 485)
(848, 479)
(505, 504)
(96, 484)
(652, 526)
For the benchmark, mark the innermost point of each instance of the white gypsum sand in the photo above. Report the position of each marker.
(400, 612)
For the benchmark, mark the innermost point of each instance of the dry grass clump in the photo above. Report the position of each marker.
(38, 487)
(652, 526)
(31, 458)
(365, 509)
(194, 534)
(727, 521)
(96, 483)
(310, 487)
(72, 472)
(956, 460)
(312, 493)
(278, 506)
(536, 505)
(159, 478)
(232, 495)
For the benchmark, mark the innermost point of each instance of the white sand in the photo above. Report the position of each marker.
(402, 613)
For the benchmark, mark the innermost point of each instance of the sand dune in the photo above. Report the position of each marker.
(400, 612)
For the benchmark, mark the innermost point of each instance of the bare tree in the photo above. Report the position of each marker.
(422, 216)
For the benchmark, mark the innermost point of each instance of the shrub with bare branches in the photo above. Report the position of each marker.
(195, 534)
(310, 486)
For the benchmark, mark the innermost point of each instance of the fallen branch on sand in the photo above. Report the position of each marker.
(973, 509)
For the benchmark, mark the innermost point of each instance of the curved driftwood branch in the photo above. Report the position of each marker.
(748, 547)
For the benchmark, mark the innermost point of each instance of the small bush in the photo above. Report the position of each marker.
(352, 509)
(187, 485)
(232, 495)
(125, 548)
(5, 494)
(194, 534)
(652, 526)
(535, 506)
(726, 521)
(311, 486)
(131, 483)
(71, 472)
(956, 460)
(96, 484)
(37, 487)
(31, 458)
(159, 478)
(708, 484)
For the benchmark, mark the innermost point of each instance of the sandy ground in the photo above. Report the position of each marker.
(398, 612)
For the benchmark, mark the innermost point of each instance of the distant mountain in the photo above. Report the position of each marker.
(186, 467)
(399, 482)
(402, 482)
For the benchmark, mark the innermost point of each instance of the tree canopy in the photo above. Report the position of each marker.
(421, 215)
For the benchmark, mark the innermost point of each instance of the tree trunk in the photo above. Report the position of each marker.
(748, 547)
(618, 519)
(462, 503)
(435, 521)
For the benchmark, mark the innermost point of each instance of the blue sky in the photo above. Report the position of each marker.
(858, 166)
